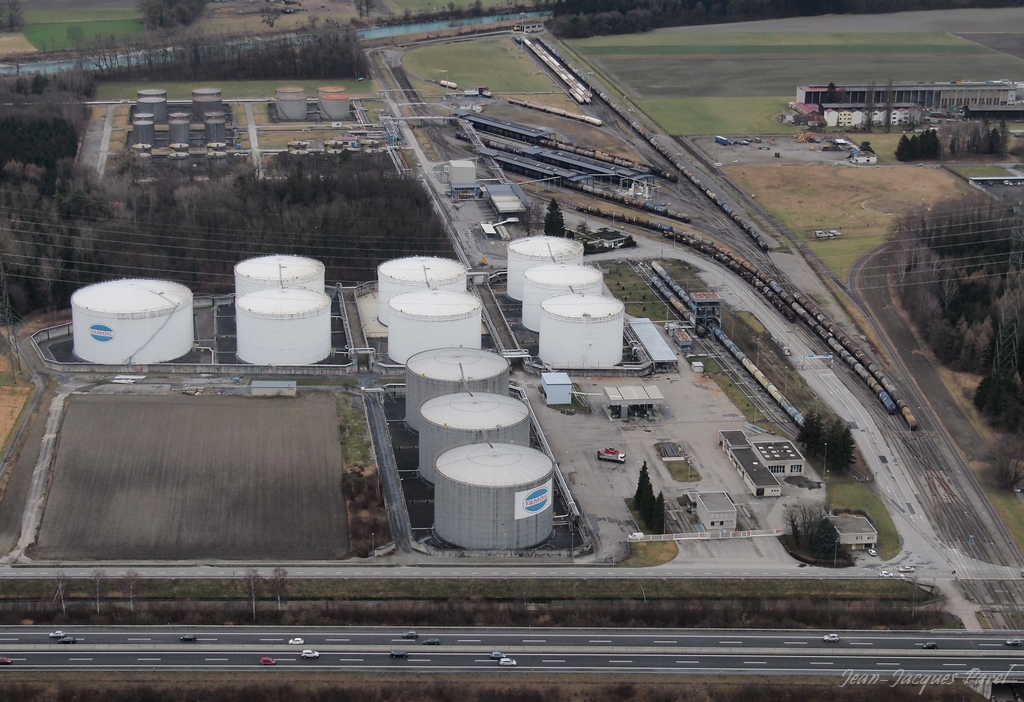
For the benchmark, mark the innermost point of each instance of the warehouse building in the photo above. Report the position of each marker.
(951, 94)
(780, 455)
(750, 465)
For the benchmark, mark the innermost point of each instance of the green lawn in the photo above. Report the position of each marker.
(718, 115)
(683, 472)
(497, 62)
(53, 36)
(844, 491)
(1010, 510)
(647, 554)
(980, 171)
(231, 90)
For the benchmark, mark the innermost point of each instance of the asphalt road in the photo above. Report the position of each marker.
(543, 650)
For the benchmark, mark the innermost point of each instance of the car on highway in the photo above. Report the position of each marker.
(410, 635)
(507, 662)
(67, 640)
(399, 654)
(611, 454)
(267, 660)
(886, 574)
(309, 653)
(432, 642)
(830, 638)
(5, 661)
(497, 655)
(57, 634)
(906, 569)
(1013, 642)
(296, 641)
(187, 637)
(872, 552)
(930, 644)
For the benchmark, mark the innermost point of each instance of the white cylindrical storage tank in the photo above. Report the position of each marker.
(283, 327)
(291, 103)
(581, 331)
(143, 132)
(549, 279)
(464, 418)
(132, 321)
(432, 319)
(216, 130)
(156, 106)
(179, 131)
(333, 102)
(206, 101)
(493, 497)
(535, 250)
(278, 271)
(437, 372)
(416, 273)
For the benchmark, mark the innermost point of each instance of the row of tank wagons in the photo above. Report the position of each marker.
(797, 305)
(747, 228)
(457, 398)
(595, 154)
(555, 111)
(635, 220)
(579, 91)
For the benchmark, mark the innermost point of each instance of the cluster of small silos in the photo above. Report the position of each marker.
(562, 301)
(491, 490)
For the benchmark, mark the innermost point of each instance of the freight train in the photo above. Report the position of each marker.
(682, 303)
(555, 111)
(598, 155)
(628, 118)
(799, 306)
(627, 219)
(578, 90)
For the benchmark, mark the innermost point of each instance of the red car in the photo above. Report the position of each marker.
(611, 454)
(266, 660)
(5, 661)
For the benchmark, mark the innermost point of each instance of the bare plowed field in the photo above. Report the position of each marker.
(196, 477)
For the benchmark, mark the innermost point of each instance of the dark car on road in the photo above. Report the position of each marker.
(931, 644)
(432, 642)
(67, 640)
(5, 661)
(188, 637)
(399, 654)
(410, 635)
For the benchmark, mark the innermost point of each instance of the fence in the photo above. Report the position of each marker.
(705, 535)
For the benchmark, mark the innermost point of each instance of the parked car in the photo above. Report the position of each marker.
(507, 662)
(296, 641)
(931, 644)
(432, 642)
(831, 638)
(57, 634)
(67, 640)
(611, 454)
(399, 654)
(267, 660)
(906, 569)
(188, 637)
(872, 552)
(497, 655)
(410, 635)
(310, 654)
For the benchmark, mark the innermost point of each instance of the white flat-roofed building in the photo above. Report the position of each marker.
(716, 511)
(642, 398)
(855, 532)
(557, 388)
(779, 455)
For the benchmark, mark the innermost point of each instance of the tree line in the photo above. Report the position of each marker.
(584, 18)
(650, 508)
(167, 14)
(832, 440)
(924, 146)
(327, 52)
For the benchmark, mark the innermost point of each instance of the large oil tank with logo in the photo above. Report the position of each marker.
(493, 497)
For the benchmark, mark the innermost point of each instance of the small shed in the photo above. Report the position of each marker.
(557, 388)
(270, 388)
(697, 366)
(636, 400)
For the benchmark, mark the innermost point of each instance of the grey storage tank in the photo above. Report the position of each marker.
(205, 101)
(156, 106)
(151, 93)
(333, 102)
(216, 130)
(291, 103)
(463, 418)
(179, 130)
(143, 132)
(437, 372)
(493, 497)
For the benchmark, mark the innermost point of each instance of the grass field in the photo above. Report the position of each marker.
(646, 554)
(718, 115)
(232, 89)
(860, 202)
(54, 36)
(495, 62)
(183, 477)
(635, 294)
(980, 171)
(845, 492)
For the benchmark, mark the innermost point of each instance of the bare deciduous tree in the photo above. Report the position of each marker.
(280, 584)
(61, 583)
(270, 14)
(811, 514)
(1006, 461)
(97, 581)
(254, 581)
(131, 580)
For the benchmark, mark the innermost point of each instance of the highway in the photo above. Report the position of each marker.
(535, 650)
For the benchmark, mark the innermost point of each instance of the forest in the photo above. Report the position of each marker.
(583, 18)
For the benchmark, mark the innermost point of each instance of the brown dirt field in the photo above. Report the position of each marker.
(1011, 43)
(12, 399)
(178, 477)
(19, 476)
(15, 44)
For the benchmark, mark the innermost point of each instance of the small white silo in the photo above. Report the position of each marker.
(493, 497)
(432, 319)
(469, 418)
(549, 279)
(291, 103)
(581, 331)
(437, 372)
(333, 102)
(535, 250)
(278, 271)
(283, 327)
(132, 321)
(416, 273)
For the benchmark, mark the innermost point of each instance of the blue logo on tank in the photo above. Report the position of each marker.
(101, 332)
(536, 501)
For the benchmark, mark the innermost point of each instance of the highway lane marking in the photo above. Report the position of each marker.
(351, 660)
(821, 663)
(534, 640)
(79, 659)
(206, 639)
(688, 662)
(271, 639)
(147, 659)
(620, 661)
(888, 664)
(730, 642)
(419, 660)
(600, 640)
(481, 660)
(462, 640)
(131, 639)
(795, 643)
(8, 639)
(981, 644)
(216, 659)
(552, 660)
(337, 639)
(861, 643)
(955, 664)
(755, 662)
(664, 642)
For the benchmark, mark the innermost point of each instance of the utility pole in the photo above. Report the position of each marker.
(7, 313)
(1005, 356)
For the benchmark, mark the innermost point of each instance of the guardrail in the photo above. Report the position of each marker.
(705, 535)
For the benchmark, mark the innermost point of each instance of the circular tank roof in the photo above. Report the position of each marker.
(284, 302)
(493, 465)
(132, 296)
(479, 410)
(290, 90)
(335, 89)
(206, 92)
(580, 307)
(546, 247)
(334, 96)
(457, 363)
(279, 267)
(439, 271)
(438, 304)
(562, 274)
